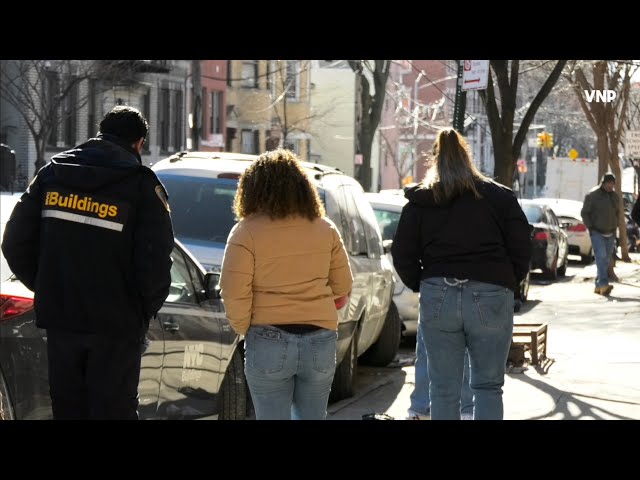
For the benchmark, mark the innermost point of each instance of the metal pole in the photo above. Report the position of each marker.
(534, 161)
(460, 102)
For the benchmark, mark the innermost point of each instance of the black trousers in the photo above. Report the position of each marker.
(93, 377)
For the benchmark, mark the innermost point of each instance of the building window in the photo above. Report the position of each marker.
(177, 121)
(70, 119)
(146, 111)
(293, 80)
(163, 113)
(92, 126)
(250, 74)
(249, 141)
(52, 87)
(215, 109)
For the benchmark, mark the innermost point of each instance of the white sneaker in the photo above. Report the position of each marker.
(411, 415)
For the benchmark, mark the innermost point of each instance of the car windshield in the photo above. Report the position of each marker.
(533, 213)
(201, 208)
(388, 222)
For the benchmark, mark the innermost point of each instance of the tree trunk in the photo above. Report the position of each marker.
(504, 161)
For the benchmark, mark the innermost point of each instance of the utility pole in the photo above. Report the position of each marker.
(460, 103)
(196, 96)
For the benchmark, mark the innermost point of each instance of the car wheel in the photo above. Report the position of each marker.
(385, 349)
(562, 270)
(6, 411)
(344, 380)
(234, 390)
(552, 273)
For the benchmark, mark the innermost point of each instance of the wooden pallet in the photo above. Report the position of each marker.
(533, 336)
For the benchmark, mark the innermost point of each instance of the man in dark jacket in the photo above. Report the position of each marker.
(92, 237)
(600, 215)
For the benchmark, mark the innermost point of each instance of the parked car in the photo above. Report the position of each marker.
(549, 242)
(570, 218)
(202, 186)
(192, 366)
(387, 208)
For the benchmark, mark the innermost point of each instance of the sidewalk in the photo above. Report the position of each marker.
(593, 370)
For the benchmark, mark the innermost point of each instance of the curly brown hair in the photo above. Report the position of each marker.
(276, 185)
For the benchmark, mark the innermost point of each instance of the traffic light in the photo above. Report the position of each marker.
(549, 140)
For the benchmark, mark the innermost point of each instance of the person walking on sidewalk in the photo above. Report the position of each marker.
(283, 272)
(600, 212)
(464, 242)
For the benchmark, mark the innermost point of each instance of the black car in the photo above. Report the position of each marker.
(192, 366)
(549, 242)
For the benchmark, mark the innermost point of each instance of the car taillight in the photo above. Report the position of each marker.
(541, 236)
(578, 227)
(11, 306)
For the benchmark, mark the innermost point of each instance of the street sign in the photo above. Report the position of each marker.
(573, 154)
(632, 144)
(475, 75)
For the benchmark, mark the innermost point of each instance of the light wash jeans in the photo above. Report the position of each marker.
(289, 375)
(603, 251)
(420, 399)
(459, 314)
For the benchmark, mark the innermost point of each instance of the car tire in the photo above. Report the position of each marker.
(562, 269)
(234, 391)
(385, 349)
(344, 380)
(6, 410)
(552, 273)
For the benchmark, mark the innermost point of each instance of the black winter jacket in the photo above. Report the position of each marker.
(92, 237)
(487, 239)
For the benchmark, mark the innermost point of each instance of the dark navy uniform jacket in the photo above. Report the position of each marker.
(92, 237)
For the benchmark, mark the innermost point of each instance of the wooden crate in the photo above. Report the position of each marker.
(533, 336)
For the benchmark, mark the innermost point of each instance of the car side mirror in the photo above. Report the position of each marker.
(386, 245)
(212, 285)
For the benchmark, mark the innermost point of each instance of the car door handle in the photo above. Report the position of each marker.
(170, 326)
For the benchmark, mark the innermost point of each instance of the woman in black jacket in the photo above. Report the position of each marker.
(464, 243)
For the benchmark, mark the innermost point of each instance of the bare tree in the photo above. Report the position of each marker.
(44, 93)
(501, 105)
(607, 119)
(369, 111)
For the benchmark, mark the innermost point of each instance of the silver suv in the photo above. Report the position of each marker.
(202, 186)
(387, 208)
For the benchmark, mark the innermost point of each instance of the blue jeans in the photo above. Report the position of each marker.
(289, 375)
(603, 251)
(466, 314)
(420, 399)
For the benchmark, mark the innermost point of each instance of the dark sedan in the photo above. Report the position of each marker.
(192, 366)
(550, 247)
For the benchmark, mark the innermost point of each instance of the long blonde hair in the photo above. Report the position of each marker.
(452, 171)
